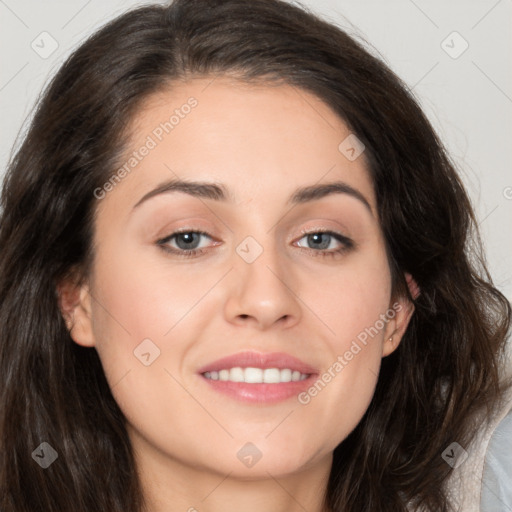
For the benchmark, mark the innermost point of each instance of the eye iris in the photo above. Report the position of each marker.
(189, 239)
(316, 237)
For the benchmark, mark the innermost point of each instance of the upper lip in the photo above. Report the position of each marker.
(278, 360)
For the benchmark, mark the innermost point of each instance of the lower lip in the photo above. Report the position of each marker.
(260, 393)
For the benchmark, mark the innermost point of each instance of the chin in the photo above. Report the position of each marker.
(256, 460)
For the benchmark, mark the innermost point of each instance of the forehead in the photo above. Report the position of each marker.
(261, 140)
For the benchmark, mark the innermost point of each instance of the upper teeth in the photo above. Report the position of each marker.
(257, 375)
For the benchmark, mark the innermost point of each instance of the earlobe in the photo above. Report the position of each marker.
(397, 326)
(390, 345)
(75, 306)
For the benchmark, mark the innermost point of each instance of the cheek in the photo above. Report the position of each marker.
(135, 310)
(145, 319)
(143, 300)
(349, 299)
(350, 305)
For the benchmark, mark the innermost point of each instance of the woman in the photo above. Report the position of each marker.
(238, 271)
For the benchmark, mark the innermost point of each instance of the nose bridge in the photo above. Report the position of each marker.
(263, 282)
(261, 262)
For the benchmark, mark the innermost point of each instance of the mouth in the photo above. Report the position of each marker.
(259, 378)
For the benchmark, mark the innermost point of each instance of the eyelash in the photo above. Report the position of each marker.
(346, 244)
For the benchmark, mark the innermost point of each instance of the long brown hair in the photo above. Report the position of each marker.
(447, 367)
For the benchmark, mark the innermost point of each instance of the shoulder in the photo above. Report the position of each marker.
(481, 480)
(496, 489)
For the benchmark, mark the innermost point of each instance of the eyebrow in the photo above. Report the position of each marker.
(219, 192)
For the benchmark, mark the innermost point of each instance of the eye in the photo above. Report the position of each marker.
(186, 243)
(321, 240)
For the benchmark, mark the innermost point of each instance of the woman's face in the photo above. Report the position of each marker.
(257, 283)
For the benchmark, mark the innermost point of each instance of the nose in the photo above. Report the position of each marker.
(261, 293)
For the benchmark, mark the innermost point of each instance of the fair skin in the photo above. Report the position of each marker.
(261, 143)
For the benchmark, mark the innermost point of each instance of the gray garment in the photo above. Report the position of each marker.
(496, 493)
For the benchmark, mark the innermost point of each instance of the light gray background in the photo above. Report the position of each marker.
(468, 98)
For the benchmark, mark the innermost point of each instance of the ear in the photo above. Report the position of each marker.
(403, 310)
(75, 306)
(413, 285)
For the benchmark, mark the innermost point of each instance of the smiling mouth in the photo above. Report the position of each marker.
(258, 378)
